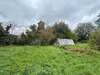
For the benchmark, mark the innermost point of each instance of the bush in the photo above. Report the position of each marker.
(94, 40)
(74, 37)
(83, 41)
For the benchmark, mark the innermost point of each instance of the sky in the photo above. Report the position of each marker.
(28, 12)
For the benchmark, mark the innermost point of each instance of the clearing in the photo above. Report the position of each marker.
(48, 60)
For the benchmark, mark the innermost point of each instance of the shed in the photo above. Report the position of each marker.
(65, 41)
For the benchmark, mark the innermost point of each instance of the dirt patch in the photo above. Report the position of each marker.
(88, 52)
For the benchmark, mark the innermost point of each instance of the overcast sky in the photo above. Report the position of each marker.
(50, 11)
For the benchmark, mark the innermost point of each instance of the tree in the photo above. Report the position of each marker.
(4, 34)
(8, 27)
(32, 34)
(74, 37)
(83, 31)
(13, 26)
(33, 31)
(41, 25)
(11, 39)
(98, 21)
(33, 28)
(45, 36)
(11, 31)
(1, 31)
(61, 30)
(39, 35)
(94, 39)
(23, 39)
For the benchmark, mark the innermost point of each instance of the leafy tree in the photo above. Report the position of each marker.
(2, 32)
(94, 39)
(39, 35)
(23, 39)
(74, 37)
(4, 35)
(83, 31)
(98, 21)
(33, 28)
(41, 25)
(31, 35)
(33, 31)
(61, 30)
(45, 36)
(8, 27)
(11, 39)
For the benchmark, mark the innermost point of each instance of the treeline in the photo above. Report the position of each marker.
(5, 37)
(37, 35)
(47, 35)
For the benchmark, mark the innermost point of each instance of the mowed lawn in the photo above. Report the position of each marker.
(46, 60)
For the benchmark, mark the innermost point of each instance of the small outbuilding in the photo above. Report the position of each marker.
(65, 41)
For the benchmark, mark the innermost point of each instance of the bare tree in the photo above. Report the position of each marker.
(83, 30)
(15, 26)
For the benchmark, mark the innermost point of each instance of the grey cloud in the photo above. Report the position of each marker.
(71, 11)
(16, 9)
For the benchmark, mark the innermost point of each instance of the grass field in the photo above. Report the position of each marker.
(47, 60)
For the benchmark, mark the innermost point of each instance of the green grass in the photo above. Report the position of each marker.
(46, 60)
(80, 46)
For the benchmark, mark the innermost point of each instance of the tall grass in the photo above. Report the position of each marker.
(46, 60)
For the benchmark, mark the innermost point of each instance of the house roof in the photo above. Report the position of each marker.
(18, 36)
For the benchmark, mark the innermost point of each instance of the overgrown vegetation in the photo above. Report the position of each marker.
(5, 37)
(79, 48)
(47, 60)
(94, 40)
(83, 31)
(39, 35)
(42, 35)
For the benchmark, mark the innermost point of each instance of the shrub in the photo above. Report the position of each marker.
(94, 40)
